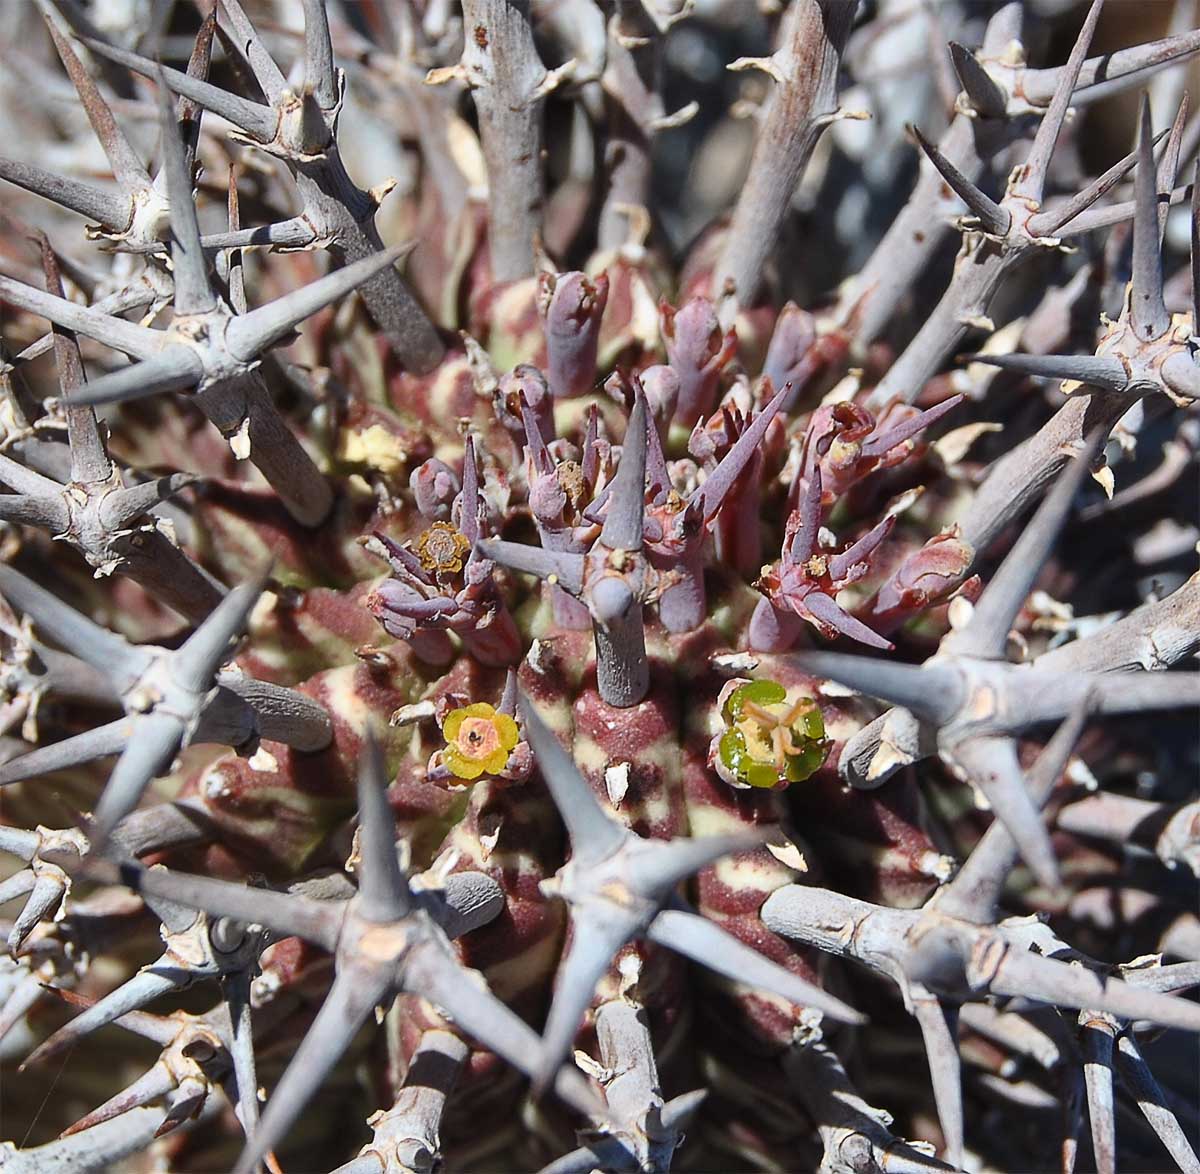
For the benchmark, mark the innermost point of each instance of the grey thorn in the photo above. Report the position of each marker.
(1111, 73)
(992, 217)
(188, 112)
(1037, 163)
(193, 293)
(1133, 692)
(678, 1111)
(235, 259)
(986, 633)
(21, 999)
(1181, 374)
(991, 764)
(127, 167)
(155, 1083)
(284, 914)
(89, 456)
(110, 211)
(932, 692)
(121, 510)
(1110, 214)
(294, 233)
(155, 740)
(1101, 371)
(562, 567)
(236, 991)
(981, 90)
(695, 937)
(20, 884)
(19, 842)
(25, 480)
(1173, 978)
(1147, 310)
(368, 1163)
(1136, 1076)
(436, 975)
(45, 897)
(1022, 974)
(320, 73)
(1168, 163)
(44, 513)
(939, 1029)
(354, 994)
(605, 1153)
(973, 894)
(144, 987)
(594, 834)
(195, 664)
(623, 522)
(174, 368)
(383, 890)
(598, 933)
(248, 335)
(89, 642)
(165, 825)
(102, 742)
(256, 120)
(1049, 222)
(1096, 1039)
(103, 1147)
(674, 860)
(139, 341)
(270, 80)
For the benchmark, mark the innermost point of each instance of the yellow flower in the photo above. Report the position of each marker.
(478, 740)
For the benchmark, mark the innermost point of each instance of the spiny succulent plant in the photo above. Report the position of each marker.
(662, 662)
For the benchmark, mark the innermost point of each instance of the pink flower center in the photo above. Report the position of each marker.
(478, 738)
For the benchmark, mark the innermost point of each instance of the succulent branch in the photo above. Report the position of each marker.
(804, 71)
(509, 85)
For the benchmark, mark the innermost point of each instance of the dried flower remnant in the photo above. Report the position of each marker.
(442, 550)
(773, 739)
(478, 741)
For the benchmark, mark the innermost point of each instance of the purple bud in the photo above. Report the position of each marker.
(927, 577)
(698, 352)
(548, 500)
(661, 387)
(434, 485)
(525, 380)
(772, 630)
(391, 604)
(795, 333)
(571, 306)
